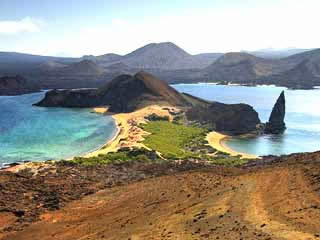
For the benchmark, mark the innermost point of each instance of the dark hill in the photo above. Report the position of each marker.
(125, 93)
(49, 66)
(16, 85)
(313, 55)
(303, 76)
(85, 67)
(232, 119)
(156, 55)
(239, 67)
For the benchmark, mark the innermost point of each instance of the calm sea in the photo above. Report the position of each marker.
(302, 116)
(37, 134)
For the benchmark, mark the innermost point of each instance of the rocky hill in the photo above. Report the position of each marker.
(125, 93)
(239, 67)
(83, 74)
(303, 76)
(231, 119)
(16, 85)
(49, 66)
(164, 56)
(85, 67)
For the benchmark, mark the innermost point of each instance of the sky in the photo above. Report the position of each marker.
(93, 27)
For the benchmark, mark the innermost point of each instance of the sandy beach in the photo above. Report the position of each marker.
(101, 110)
(129, 134)
(216, 140)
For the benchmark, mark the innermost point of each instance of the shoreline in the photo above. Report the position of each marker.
(128, 133)
(127, 128)
(115, 135)
(217, 141)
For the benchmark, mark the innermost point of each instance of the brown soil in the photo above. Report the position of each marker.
(271, 201)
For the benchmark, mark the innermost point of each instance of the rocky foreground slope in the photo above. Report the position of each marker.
(274, 198)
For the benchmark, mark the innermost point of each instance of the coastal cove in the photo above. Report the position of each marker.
(302, 118)
(30, 133)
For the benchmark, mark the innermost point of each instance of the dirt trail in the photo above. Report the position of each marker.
(279, 202)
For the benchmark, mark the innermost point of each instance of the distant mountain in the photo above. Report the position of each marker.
(50, 65)
(165, 56)
(83, 74)
(312, 55)
(166, 61)
(303, 76)
(162, 55)
(277, 53)
(104, 59)
(207, 58)
(239, 67)
(85, 67)
(16, 85)
(14, 57)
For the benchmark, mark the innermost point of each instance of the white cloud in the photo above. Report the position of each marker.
(26, 24)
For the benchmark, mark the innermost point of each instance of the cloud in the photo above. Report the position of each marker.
(26, 24)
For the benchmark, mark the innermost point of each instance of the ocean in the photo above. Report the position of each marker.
(36, 134)
(302, 116)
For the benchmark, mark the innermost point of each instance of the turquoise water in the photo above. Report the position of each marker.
(37, 134)
(302, 116)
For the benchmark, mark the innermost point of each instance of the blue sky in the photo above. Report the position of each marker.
(78, 27)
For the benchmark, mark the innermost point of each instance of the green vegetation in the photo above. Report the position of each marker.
(170, 139)
(155, 117)
(174, 141)
(228, 161)
(122, 156)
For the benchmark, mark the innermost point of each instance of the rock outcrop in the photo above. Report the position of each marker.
(231, 119)
(16, 85)
(276, 124)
